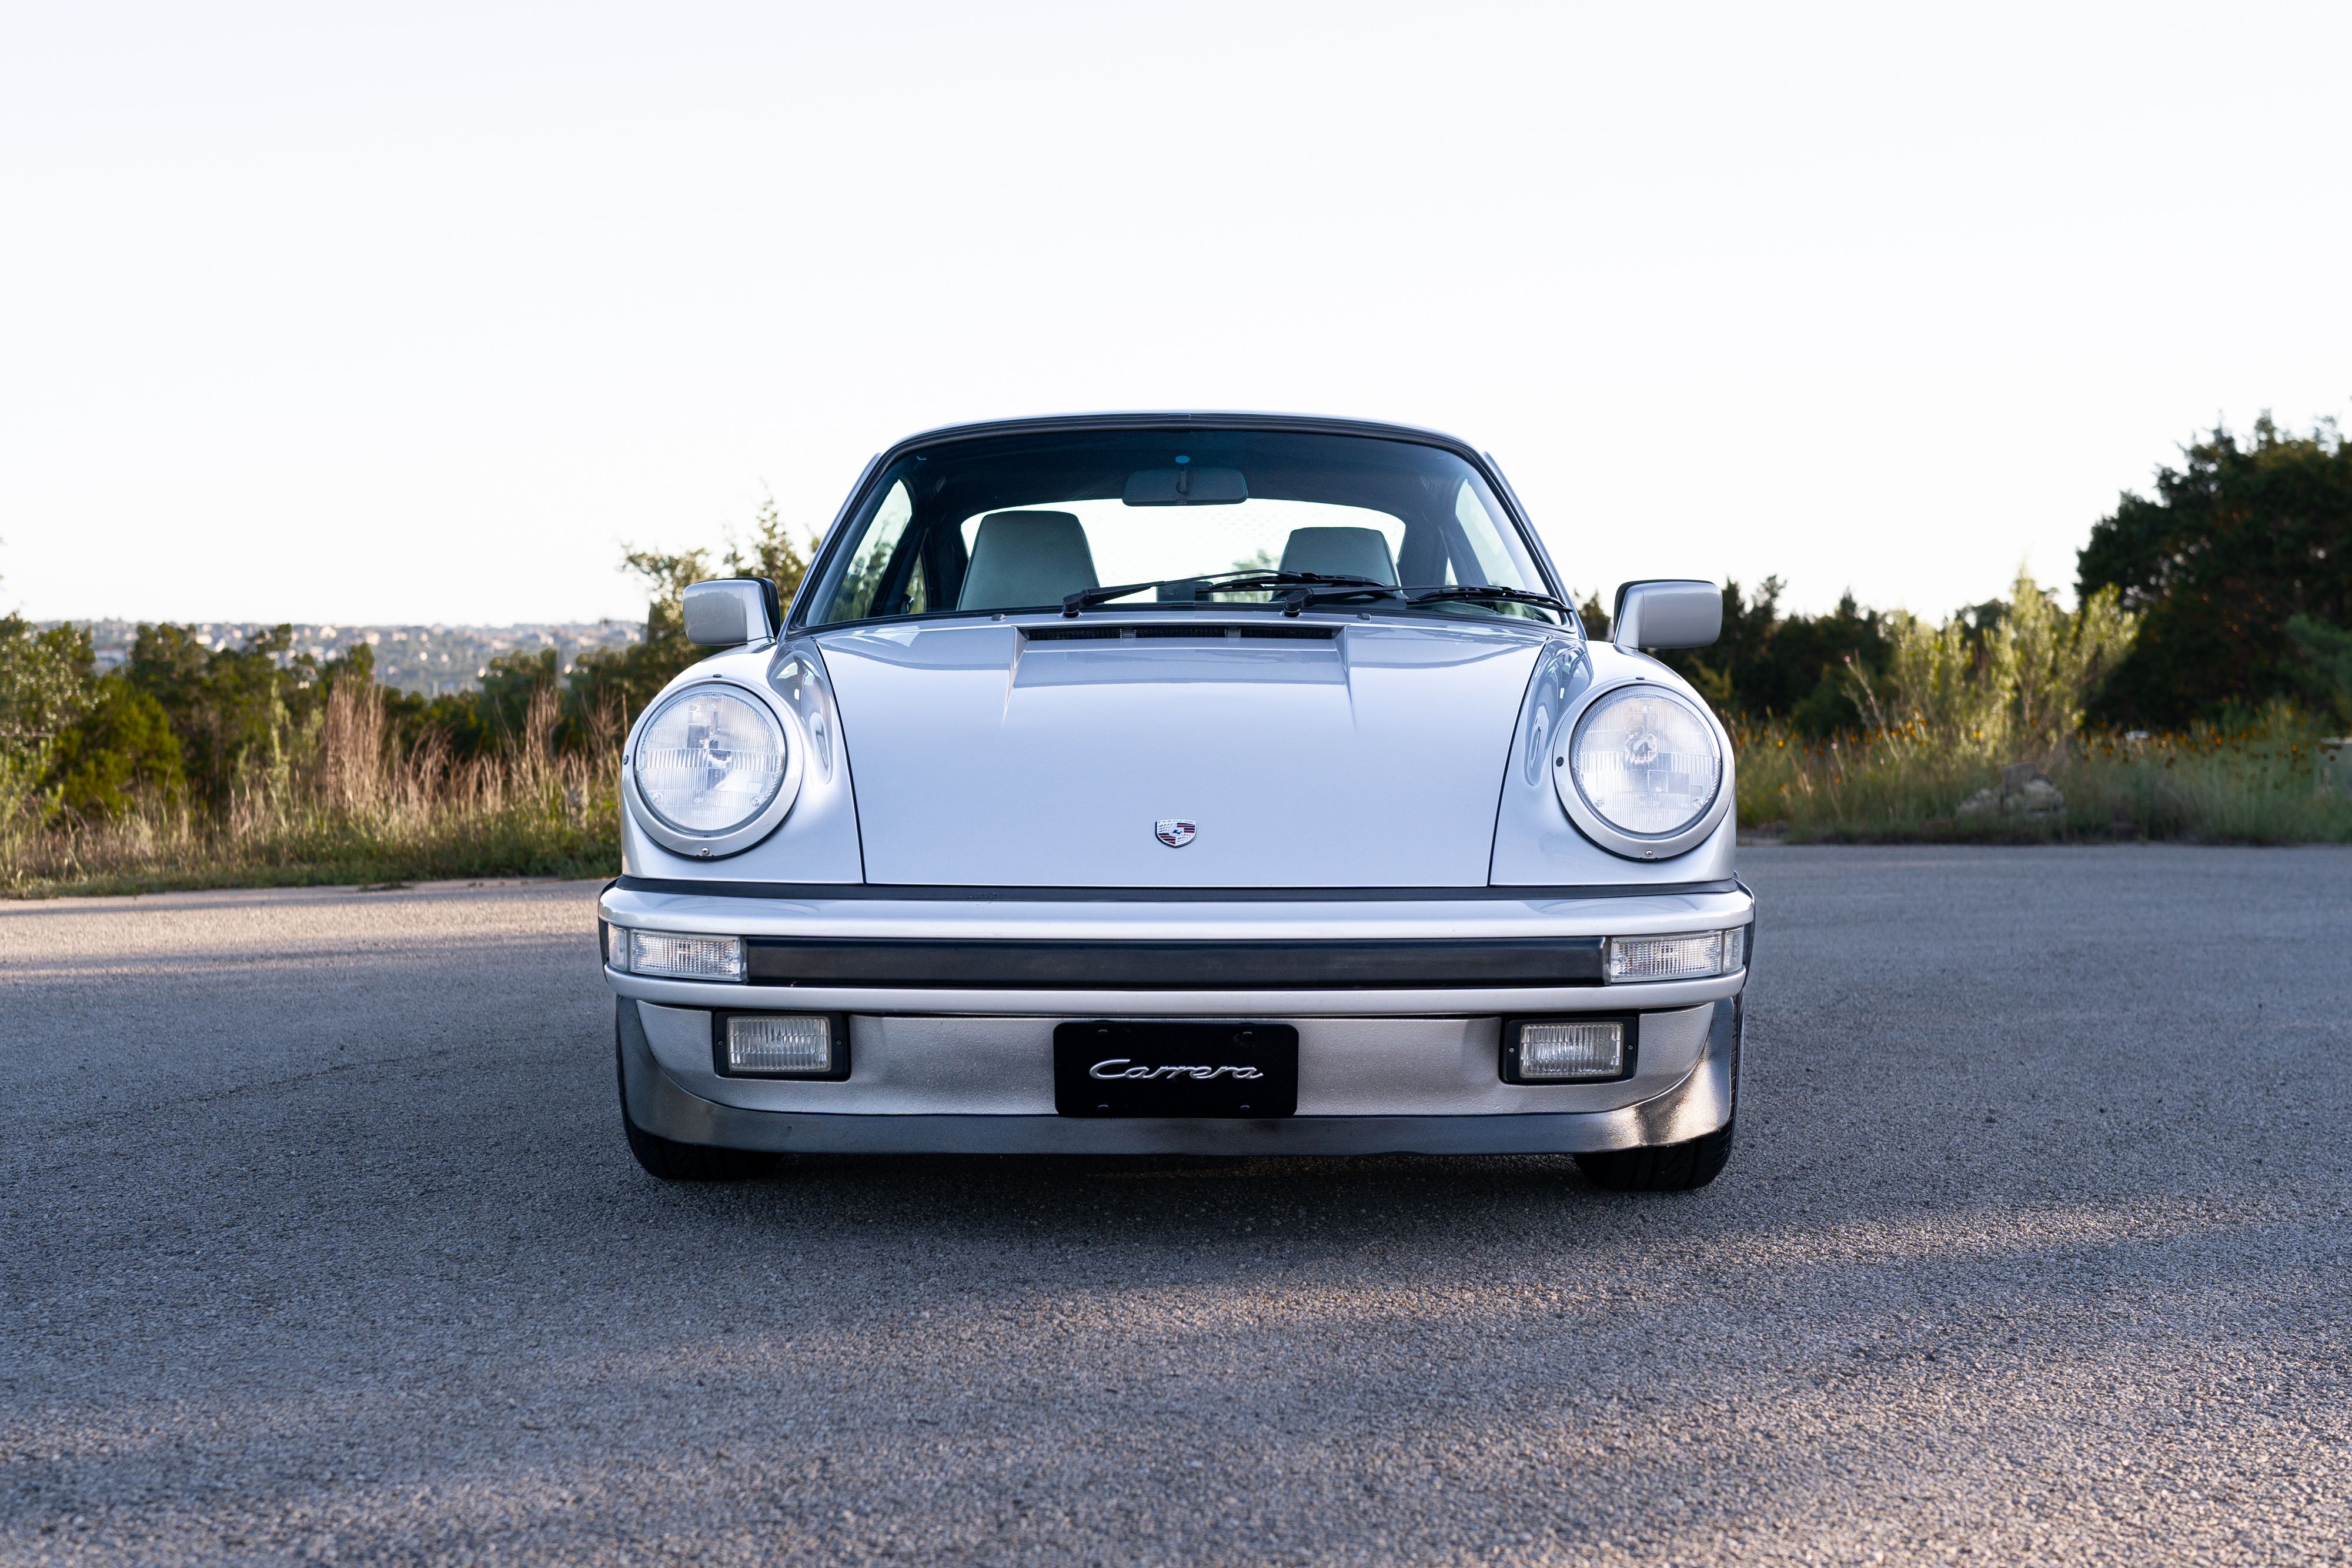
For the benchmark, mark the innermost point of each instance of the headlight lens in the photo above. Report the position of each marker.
(1645, 761)
(709, 760)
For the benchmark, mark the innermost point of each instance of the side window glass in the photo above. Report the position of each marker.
(1495, 568)
(853, 601)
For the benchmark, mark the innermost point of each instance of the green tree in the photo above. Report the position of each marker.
(511, 683)
(239, 712)
(2237, 541)
(46, 681)
(2328, 649)
(119, 752)
(773, 553)
(46, 676)
(1768, 665)
(619, 682)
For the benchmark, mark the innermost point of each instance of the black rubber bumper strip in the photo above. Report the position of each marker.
(1175, 966)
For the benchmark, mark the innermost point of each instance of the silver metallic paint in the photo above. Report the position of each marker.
(1667, 612)
(1537, 843)
(1600, 829)
(942, 1065)
(1143, 918)
(817, 841)
(1408, 733)
(726, 613)
(1702, 1101)
(1370, 760)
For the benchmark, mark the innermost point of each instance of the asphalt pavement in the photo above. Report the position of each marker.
(319, 1241)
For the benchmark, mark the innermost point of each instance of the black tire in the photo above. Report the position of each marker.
(1667, 1167)
(673, 1161)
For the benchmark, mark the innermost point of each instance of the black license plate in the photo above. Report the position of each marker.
(1160, 1067)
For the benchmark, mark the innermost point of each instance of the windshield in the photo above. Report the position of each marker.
(1021, 522)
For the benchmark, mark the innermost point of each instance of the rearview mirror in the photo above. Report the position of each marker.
(1670, 613)
(732, 612)
(1186, 487)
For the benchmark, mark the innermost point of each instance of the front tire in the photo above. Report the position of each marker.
(1666, 1167)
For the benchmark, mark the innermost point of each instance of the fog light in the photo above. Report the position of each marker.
(683, 958)
(1681, 957)
(779, 1045)
(1584, 1050)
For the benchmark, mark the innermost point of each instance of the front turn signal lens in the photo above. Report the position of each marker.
(679, 956)
(1689, 956)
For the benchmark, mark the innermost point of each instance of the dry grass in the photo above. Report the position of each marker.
(352, 807)
(2265, 784)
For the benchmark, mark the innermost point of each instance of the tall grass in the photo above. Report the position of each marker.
(1964, 714)
(2266, 782)
(344, 804)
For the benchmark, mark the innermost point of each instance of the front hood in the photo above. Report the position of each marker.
(1304, 753)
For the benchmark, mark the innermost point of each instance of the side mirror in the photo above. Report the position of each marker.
(1673, 612)
(732, 612)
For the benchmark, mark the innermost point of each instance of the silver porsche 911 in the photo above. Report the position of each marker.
(1212, 784)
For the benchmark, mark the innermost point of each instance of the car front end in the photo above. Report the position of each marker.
(1366, 848)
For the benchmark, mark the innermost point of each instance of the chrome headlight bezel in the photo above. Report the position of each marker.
(744, 834)
(1600, 829)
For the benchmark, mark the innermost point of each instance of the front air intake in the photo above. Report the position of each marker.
(1189, 633)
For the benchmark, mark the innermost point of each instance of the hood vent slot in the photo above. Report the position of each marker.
(1190, 634)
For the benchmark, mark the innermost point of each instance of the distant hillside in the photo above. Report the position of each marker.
(429, 660)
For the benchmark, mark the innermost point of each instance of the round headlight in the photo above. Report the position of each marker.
(1645, 762)
(709, 761)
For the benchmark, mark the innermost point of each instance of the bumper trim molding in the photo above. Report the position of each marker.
(1311, 964)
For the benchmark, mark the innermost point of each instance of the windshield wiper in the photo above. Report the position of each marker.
(1481, 591)
(1221, 582)
(1300, 599)
(1309, 588)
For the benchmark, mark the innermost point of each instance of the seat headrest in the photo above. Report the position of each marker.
(1340, 553)
(1023, 560)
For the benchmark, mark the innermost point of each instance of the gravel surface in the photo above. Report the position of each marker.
(321, 1242)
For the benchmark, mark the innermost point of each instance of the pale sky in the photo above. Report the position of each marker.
(416, 313)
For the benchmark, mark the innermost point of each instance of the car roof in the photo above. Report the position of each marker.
(1212, 419)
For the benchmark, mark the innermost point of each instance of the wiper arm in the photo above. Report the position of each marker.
(1481, 591)
(1437, 593)
(1217, 582)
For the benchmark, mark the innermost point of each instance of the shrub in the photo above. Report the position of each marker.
(2261, 783)
(2011, 683)
(120, 752)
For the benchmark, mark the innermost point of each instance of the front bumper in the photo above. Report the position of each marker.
(660, 1090)
(1400, 1067)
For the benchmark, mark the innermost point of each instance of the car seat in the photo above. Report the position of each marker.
(1023, 560)
(1340, 552)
